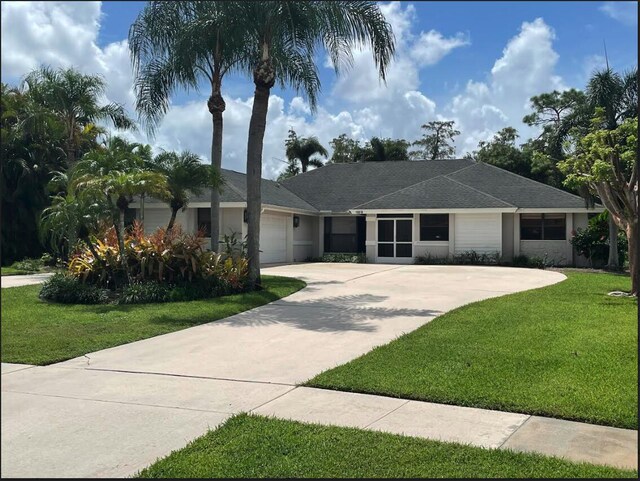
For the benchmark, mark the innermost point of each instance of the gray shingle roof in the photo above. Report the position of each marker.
(340, 187)
(273, 193)
(515, 189)
(442, 184)
(438, 193)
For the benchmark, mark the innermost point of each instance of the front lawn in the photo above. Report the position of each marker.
(39, 332)
(566, 350)
(258, 447)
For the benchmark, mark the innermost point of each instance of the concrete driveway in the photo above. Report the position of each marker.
(112, 412)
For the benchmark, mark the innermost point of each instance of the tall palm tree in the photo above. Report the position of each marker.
(283, 38)
(116, 172)
(185, 174)
(617, 96)
(178, 45)
(304, 150)
(74, 99)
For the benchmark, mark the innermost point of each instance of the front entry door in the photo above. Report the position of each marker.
(395, 239)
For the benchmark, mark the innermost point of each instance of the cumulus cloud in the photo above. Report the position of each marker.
(62, 34)
(526, 68)
(432, 46)
(624, 12)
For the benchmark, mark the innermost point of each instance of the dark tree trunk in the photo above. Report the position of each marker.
(613, 263)
(216, 106)
(264, 79)
(632, 236)
(172, 220)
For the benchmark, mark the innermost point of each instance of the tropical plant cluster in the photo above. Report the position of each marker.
(161, 267)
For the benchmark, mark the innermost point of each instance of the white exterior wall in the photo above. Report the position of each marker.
(305, 238)
(159, 217)
(557, 252)
(481, 233)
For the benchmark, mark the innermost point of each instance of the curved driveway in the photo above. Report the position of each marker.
(113, 412)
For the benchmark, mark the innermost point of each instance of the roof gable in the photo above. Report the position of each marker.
(438, 193)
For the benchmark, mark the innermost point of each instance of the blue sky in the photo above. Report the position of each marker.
(473, 62)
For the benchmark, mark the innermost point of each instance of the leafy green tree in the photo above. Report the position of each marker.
(345, 149)
(283, 38)
(502, 152)
(305, 151)
(606, 162)
(32, 147)
(437, 141)
(186, 176)
(74, 99)
(178, 45)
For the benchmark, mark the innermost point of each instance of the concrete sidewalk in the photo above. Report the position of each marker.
(24, 280)
(574, 441)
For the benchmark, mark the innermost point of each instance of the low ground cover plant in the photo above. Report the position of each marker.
(355, 258)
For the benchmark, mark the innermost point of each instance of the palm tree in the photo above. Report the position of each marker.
(74, 98)
(283, 38)
(177, 45)
(70, 218)
(617, 96)
(185, 175)
(304, 150)
(117, 173)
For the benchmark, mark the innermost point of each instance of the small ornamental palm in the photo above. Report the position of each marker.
(186, 176)
(117, 173)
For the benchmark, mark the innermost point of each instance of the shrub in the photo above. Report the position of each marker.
(144, 292)
(357, 258)
(28, 265)
(464, 258)
(593, 242)
(168, 258)
(67, 289)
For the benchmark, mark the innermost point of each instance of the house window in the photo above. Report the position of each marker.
(204, 221)
(434, 227)
(543, 227)
(129, 217)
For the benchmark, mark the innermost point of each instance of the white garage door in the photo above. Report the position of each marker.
(478, 232)
(273, 238)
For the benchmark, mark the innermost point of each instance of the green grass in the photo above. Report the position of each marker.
(12, 271)
(566, 350)
(258, 447)
(39, 332)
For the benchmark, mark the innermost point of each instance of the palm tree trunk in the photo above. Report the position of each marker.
(120, 234)
(216, 165)
(613, 263)
(172, 221)
(257, 127)
(216, 106)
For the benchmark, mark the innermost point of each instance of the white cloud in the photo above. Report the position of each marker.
(431, 47)
(624, 12)
(63, 34)
(526, 68)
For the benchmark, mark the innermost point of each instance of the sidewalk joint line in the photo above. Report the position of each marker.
(277, 397)
(188, 376)
(385, 415)
(515, 431)
(127, 403)
(377, 272)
